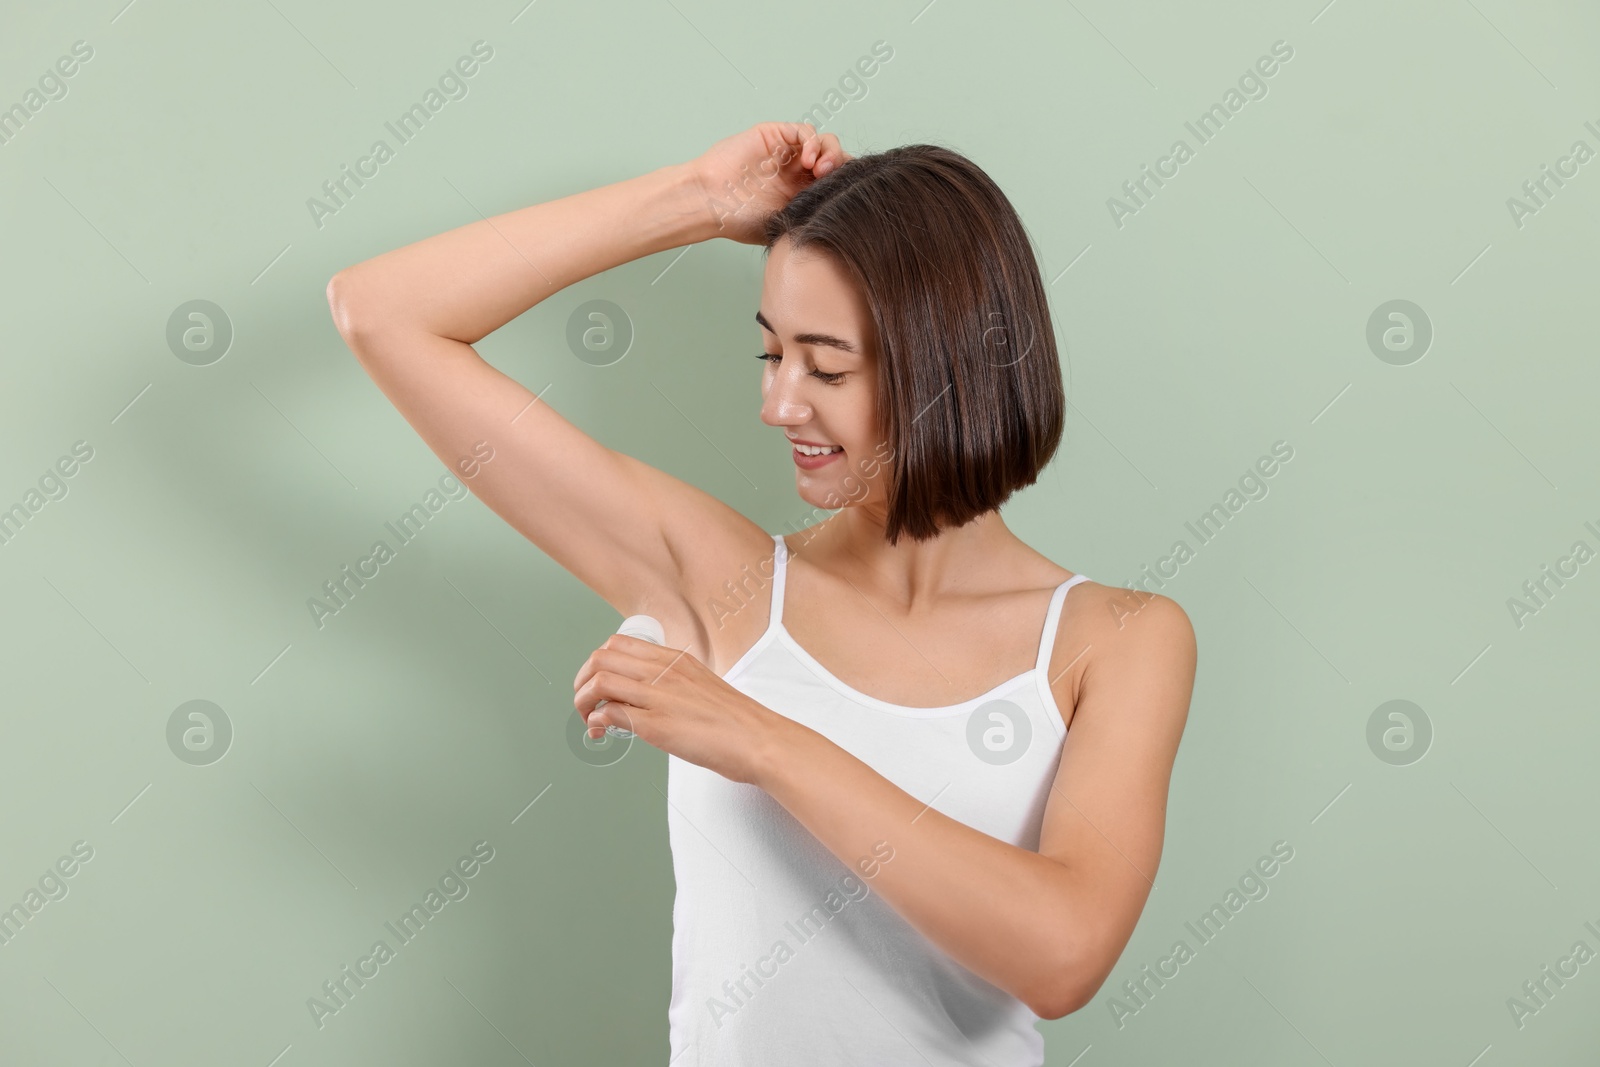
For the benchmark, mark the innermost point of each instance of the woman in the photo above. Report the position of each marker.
(895, 858)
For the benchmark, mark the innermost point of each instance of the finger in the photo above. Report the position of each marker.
(836, 153)
(607, 714)
(609, 687)
(638, 646)
(810, 153)
(828, 155)
(821, 155)
(646, 660)
(792, 137)
(621, 654)
(593, 723)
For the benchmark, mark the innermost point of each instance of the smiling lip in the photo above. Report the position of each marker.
(813, 462)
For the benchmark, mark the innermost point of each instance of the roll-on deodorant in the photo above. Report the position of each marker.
(645, 628)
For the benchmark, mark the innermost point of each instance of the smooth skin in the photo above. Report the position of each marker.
(924, 624)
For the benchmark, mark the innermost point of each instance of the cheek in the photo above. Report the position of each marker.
(861, 416)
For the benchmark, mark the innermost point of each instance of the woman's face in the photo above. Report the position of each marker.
(820, 381)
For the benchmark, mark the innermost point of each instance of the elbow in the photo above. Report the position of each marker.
(1059, 1004)
(1063, 1000)
(364, 311)
(342, 303)
(1069, 988)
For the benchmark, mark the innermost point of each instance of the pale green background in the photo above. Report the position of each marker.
(1228, 314)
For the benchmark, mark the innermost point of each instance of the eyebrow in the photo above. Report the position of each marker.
(826, 340)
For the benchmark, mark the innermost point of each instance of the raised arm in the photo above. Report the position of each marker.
(630, 532)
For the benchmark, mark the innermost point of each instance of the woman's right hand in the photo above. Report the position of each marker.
(752, 174)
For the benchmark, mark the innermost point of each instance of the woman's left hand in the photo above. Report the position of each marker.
(674, 702)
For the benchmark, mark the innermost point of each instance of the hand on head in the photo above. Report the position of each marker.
(754, 173)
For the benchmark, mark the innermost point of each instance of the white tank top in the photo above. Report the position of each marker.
(781, 954)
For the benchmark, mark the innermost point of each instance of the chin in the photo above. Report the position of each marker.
(831, 498)
(825, 495)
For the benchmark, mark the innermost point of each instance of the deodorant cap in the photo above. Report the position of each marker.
(644, 627)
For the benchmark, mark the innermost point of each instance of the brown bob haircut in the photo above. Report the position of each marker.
(969, 384)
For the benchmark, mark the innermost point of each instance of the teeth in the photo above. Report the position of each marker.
(809, 450)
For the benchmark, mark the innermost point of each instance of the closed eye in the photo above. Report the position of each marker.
(831, 378)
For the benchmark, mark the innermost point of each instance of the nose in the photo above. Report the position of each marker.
(783, 400)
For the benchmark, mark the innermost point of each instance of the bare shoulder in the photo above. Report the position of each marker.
(1107, 630)
(1106, 815)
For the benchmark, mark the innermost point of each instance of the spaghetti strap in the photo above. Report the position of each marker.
(1015, 732)
(748, 593)
(1052, 619)
(780, 558)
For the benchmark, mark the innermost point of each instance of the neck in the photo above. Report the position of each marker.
(852, 544)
